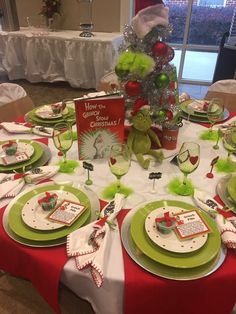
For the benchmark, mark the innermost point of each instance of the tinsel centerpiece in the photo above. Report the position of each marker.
(143, 66)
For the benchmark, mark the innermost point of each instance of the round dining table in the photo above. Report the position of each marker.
(127, 287)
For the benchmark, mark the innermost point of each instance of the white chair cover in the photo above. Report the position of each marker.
(225, 89)
(10, 92)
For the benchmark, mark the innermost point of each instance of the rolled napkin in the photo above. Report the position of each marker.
(12, 184)
(90, 245)
(9, 187)
(146, 19)
(225, 226)
(21, 128)
(227, 231)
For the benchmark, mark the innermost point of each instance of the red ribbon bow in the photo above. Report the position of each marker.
(46, 198)
(167, 219)
(9, 144)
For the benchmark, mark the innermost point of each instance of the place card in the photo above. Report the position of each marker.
(19, 157)
(67, 212)
(190, 224)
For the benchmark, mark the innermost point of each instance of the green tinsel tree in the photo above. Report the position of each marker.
(144, 69)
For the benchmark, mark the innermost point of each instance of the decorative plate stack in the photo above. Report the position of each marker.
(28, 154)
(164, 254)
(26, 222)
(47, 116)
(226, 189)
(193, 110)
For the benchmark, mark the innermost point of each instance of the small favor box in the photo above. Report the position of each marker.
(49, 201)
(190, 224)
(10, 148)
(166, 223)
(57, 108)
(67, 212)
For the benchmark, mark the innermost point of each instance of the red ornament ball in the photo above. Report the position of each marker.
(133, 88)
(169, 115)
(160, 49)
(171, 99)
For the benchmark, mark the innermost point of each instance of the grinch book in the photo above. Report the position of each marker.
(100, 124)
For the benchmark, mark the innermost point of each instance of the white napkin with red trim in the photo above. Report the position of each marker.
(21, 128)
(90, 245)
(11, 184)
(225, 226)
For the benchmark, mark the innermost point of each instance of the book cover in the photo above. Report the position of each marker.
(100, 124)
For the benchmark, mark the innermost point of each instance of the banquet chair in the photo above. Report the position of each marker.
(14, 102)
(226, 90)
(108, 82)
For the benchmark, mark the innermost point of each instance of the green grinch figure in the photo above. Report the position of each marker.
(141, 135)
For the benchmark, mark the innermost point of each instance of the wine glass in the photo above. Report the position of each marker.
(188, 161)
(119, 162)
(66, 104)
(62, 138)
(227, 165)
(229, 140)
(215, 111)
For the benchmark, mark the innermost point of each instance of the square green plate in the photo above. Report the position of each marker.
(22, 230)
(178, 260)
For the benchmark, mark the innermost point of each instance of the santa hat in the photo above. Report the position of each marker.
(146, 19)
(139, 104)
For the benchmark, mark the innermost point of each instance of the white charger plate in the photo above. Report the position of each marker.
(21, 148)
(170, 241)
(45, 112)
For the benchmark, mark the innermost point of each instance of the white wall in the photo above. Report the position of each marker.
(108, 15)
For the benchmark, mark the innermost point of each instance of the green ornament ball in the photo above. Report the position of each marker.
(161, 114)
(161, 81)
(120, 72)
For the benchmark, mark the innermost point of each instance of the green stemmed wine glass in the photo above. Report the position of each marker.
(215, 111)
(229, 140)
(119, 162)
(227, 165)
(188, 161)
(62, 138)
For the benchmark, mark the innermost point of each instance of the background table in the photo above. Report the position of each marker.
(41, 56)
(110, 297)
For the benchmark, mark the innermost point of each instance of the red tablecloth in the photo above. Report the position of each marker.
(42, 266)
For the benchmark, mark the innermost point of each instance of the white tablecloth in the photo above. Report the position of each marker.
(109, 298)
(41, 56)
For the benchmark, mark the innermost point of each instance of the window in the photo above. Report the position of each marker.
(212, 3)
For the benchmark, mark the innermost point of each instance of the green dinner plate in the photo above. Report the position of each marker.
(51, 122)
(179, 260)
(231, 188)
(184, 107)
(201, 118)
(18, 227)
(38, 152)
(162, 270)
